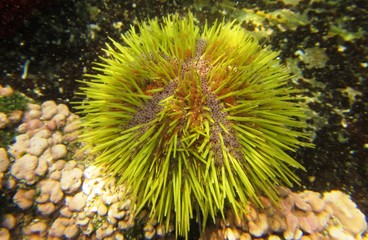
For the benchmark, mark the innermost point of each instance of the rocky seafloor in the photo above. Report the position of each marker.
(50, 190)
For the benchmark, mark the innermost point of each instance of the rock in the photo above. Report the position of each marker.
(71, 180)
(24, 198)
(300, 202)
(6, 91)
(260, 226)
(50, 190)
(93, 172)
(55, 175)
(39, 228)
(116, 211)
(56, 138)
(149, 231)
(338, 233)
(160, 230)
(8, 221)
(104, 231)
(88, 229)
(69, 165)
(72, 126)
(82, 219)
(273, 237)
(34, 124)
(58, 227)
(245, 236)
(43, 133)
(102, 209)
(314, 199)
(126, 223)
(15, 116)
(46, 208)
(58, 151)
(37, 145)
(4, 121)
(292, 224)
(11, 183)
(252, 214)
(77, 202)
(58, 165)
(42, 166)
(4, 234)
(231, 234)
(118, 236)
(66, 212)
(71, 231)
(346, 211)
(70, 137)
(20, 147)
(32, 114)
(63, 109)
(49, 109)
(59, 120)
(24, 168)
(4, 160)
(33, 106)
(22, 128)
(51, 124)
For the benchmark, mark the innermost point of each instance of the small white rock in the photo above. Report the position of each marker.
(71, 180)
(38, 228)
(104, 231)
(24, 198)
(37, 145)
(72, 126)
(56, 138)
(4, 234)
(60, 120)
(63, 109)
(4, 121)
(49, 109)
(44, 133)
(58, 151)
(42, 165)
(66, 212)
(50, 189)
(24, 168)
(9, 221)
(46, 208)
(32, 114)
(77, 202)
(4, 160)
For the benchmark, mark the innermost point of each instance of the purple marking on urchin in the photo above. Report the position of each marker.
(147, 112)
(219, 117)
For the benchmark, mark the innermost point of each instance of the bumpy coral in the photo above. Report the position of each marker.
(305, 215)
(189, 117)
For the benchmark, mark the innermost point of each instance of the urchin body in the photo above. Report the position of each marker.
(193, 118)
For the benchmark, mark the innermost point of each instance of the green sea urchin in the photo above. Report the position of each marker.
(189, 117)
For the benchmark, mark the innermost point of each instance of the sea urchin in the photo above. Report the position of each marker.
(192, 118)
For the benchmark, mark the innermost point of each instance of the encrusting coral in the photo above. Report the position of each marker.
(190, 117)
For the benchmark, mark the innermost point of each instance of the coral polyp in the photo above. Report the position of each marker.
(193, 118)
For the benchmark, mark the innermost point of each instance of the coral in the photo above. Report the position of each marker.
(304, 215)
(189, 117)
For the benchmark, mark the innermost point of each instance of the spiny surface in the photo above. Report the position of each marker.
(188, 117)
